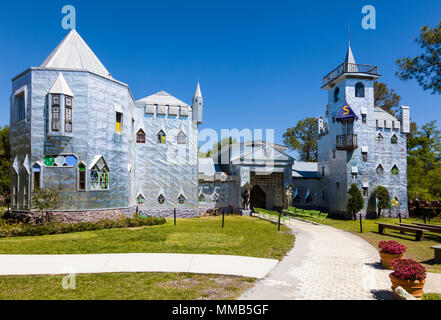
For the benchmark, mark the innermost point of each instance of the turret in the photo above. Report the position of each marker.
(197, 106)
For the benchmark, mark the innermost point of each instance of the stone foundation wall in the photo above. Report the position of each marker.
(168, 213)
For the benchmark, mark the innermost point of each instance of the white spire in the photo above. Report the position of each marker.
(60, 86)
(350, 56)
(198, 91)
(74, 53)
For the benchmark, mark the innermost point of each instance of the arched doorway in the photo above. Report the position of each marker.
(257, 198)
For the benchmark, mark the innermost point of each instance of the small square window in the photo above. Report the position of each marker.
(365, 156)
(354, 176)
(365, 192)
(363, 118)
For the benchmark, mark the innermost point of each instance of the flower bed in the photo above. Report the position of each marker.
(392, 247)
(18, 229)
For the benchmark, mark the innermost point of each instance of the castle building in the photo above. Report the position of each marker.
(75, 128)
(359, 143)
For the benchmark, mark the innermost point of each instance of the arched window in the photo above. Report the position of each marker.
(359, 90)
(379, 138)
(395, 170)
(81, 176)
(140, 199)
(100, 176)
(395, 202)
(161, 137)
(161, 199)
(380, 169)
(215, 197)
(336, 94)
(394, 139)
(182, 138)
(201, 198)
(140, 136)
(181, 199)
(297, 199)
(36, 169)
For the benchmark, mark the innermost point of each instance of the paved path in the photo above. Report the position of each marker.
(135, 262)
(328, 264)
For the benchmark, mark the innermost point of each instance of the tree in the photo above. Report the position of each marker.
(383, 197)
(45, 200)
(5, 164)
(386, 99)
(303, 139)
(355, 200)
(218, 146)
(425, 68)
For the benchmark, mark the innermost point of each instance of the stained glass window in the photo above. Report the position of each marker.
(81, 176)
(161, 137)
(395, 170)
(181, 199)
(140, 199)
(395, 202)
(140, 136)
(100, 176)
(379, 138)
(161, 199)
(60, 160)
(201, 198)
(394, 139)
(380, 169)
(119, 122)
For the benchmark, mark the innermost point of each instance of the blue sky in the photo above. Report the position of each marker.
(260, 63)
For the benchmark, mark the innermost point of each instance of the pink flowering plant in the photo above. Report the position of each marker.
(392, 247)
(408, 269)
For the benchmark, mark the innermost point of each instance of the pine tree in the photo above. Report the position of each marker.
(355, 200)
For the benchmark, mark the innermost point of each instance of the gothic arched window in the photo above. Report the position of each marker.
(100, 176)
(161, 199)
(395, 170)
(395, 202)
(201, 198)
(379, 138)
(380, 169)
(182, 138)
(394, 139)
(161, 137)
(336, 94)
(81, 176)
(140, 136)
(181, 199)
(359, 90)
(140, 199)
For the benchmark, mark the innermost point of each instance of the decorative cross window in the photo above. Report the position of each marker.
(81, 176)
(380, 169)
(140, 199)
(394, 139)
(181, 199)
(100, 176)
(182, 138)
(140, 136)
(161, 199)
(395, 170)
(161, 137)
(379, 138)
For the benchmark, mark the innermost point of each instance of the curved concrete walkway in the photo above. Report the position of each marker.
(328, 264)
(135, 262)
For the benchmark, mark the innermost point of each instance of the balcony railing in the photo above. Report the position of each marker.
(347, 142)
(346, 67)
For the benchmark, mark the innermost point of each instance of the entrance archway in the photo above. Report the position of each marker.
(257, 198)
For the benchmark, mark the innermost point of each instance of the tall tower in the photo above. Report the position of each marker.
(351, 132)
(198, 105)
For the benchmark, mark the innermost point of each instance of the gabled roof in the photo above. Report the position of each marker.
(163, 98)
(74, 53)
(380, 114)
(60, 86)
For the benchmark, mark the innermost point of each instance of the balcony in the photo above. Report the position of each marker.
(348, 68)
(347, 142)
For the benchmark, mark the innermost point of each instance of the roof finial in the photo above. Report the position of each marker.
(349, 33)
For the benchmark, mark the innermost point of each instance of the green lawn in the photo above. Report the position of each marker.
(244, 236)
(125, 286)
(431, 296)
(417, 250)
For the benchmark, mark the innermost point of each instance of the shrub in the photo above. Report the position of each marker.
(355, 200)
(408, 269)
(392, 247)
(16, 229)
